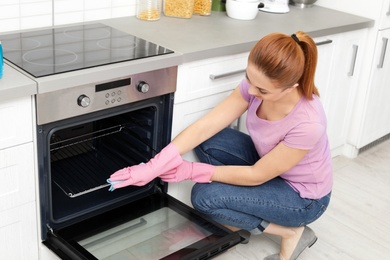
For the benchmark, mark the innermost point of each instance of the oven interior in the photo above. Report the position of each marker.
(82, 154)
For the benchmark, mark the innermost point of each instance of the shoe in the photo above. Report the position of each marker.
(308, 238)
(273, 257)
(245, 235)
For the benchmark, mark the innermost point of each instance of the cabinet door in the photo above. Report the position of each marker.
(185, 114)
(211, 76)
(385, 15)
(326, 47)
(18, 233)
(346, 69)
(376, 118)
(15, 122)
(17, 185)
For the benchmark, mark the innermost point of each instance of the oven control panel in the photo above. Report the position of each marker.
(67, 103)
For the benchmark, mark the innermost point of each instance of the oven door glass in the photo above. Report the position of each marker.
(155, 227)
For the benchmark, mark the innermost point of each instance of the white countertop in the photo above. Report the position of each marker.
(14, 84)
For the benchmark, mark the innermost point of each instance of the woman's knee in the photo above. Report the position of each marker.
(201, 195)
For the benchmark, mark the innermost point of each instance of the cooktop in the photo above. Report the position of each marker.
(58, 50)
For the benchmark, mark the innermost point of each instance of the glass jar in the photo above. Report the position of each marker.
(149, 10)
(179, 8)
(202, 7)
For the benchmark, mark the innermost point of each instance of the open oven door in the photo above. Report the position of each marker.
(155, 227)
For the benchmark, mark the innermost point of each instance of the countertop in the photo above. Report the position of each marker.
(216, 35)
(192, 39)
(13, 85)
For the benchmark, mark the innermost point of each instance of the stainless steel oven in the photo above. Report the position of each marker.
(87, 132)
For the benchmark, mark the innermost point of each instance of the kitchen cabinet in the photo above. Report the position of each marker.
(18, 223)
(376, 115)
(375, 119)
(337, 80)
(384, 22)
(14, 132)
(369, 122)
(200, 86)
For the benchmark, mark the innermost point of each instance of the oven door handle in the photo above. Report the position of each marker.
(64, 250)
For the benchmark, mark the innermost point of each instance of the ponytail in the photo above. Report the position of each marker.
(306, 82)
(287, 60)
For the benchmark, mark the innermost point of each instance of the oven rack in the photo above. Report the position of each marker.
(82, 164)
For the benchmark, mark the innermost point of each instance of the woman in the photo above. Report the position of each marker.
(277, 179)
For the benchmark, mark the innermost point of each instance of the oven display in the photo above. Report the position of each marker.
(113, 84)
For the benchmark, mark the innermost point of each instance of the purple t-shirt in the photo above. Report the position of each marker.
(303, 128)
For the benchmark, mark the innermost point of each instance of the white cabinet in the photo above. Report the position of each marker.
(18, 221)
(326, 47)
(384, 22)
(202, 85)
(18, 233)
(376, 117)
(337, 78)
(17, 176)
(369, 120)
(15, 122)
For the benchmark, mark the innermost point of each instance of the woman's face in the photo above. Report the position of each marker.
(263, 87)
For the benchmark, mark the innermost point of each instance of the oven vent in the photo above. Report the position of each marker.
(216, 251)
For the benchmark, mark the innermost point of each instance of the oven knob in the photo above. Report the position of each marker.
(83, 101)
(143, 87)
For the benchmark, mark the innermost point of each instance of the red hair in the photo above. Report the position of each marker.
(287, 60)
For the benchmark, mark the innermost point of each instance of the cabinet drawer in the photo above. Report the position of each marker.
(16, 122)
(211, 76)
(18, 230)
(384, 22)
(188, 112)
(17, 175)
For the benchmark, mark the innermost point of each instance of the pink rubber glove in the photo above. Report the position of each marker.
(141, 174)
(198, 172)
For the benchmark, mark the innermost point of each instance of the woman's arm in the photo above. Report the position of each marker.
(277, 161)
(217, 119)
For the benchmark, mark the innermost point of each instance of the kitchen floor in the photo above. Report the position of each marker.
(356, 224)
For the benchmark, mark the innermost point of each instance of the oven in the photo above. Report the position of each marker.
(87, 132)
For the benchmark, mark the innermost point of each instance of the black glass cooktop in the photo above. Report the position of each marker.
(53, 51)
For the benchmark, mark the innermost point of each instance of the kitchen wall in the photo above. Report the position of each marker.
(28, 14)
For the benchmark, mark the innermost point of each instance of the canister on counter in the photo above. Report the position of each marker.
(149, 10)
(218, 5)
(202, 7)
(179, 8)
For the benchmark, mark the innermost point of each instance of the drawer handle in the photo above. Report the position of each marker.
(227, 74)
(388, 11)
(353, 61)
(383, 53)
(324, 42)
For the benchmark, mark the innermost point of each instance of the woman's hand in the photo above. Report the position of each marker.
(139, 175)
(197, 172)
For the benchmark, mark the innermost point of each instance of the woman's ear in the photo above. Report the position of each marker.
(292, 87)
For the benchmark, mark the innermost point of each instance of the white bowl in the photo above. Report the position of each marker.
(242, 9)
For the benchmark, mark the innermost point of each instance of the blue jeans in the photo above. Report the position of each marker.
(249, 207)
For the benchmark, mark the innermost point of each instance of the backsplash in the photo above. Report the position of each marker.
(27, 14)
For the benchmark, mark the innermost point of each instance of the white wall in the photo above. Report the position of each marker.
(28, 14)
(367, 9)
